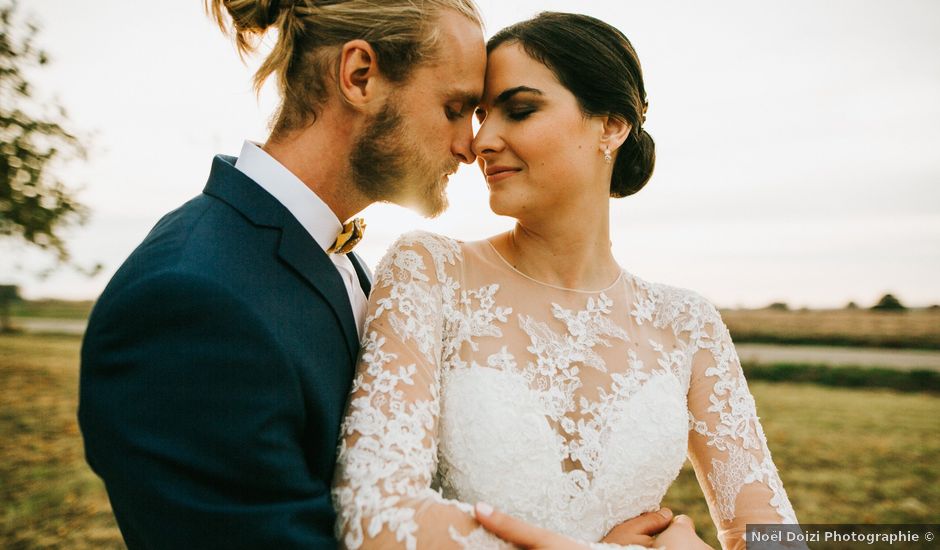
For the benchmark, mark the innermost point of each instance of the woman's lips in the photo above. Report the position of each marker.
(500, 175)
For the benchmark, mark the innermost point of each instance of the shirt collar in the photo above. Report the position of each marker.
(301, 201)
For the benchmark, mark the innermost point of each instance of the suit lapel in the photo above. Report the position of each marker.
(301, 252)
(296, 248)
(365, 277)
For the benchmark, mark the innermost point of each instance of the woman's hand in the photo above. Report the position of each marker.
(681, 534)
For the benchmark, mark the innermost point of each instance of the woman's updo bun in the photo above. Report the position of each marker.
(634, 164)
(597, 64)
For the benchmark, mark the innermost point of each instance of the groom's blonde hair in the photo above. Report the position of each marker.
(310, 33)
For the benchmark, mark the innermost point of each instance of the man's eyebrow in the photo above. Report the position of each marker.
(467, 98)
(506, 95)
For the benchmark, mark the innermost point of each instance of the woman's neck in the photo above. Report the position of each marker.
(572, 255)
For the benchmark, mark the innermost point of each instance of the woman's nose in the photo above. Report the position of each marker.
(487, 140)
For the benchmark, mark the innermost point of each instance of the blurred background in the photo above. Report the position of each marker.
(798, 163)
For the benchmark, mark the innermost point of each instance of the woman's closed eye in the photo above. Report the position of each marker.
(519, 110)
(520, 113)
(512, 112)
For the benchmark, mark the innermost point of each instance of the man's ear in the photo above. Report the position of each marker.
(361, 85)
(614, 131)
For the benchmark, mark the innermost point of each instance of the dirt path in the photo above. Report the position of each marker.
(839, 356)
(39, 325)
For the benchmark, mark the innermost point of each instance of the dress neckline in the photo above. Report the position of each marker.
(512, 268)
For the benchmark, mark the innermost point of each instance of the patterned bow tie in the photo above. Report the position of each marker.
(352, 234)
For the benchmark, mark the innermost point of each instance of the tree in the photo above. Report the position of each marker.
(8, 295)
(889, 303)
(34, 205)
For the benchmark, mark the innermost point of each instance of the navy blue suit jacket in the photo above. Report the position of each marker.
(215, 371)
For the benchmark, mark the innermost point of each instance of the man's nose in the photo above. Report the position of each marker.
(463, 146)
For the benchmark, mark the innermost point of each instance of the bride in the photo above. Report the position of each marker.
(529, 371)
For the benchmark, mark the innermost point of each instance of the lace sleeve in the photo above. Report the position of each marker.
(727, 446)
(388, 449)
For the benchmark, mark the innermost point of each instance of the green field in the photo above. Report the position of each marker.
(50, 497)
(845, 455)
(911, 329)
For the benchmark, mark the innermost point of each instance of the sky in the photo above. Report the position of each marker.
(798, 143)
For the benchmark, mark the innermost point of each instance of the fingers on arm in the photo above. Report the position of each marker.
(641, 529)
(649, 523)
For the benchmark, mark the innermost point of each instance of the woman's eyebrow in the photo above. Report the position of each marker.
(506, 95)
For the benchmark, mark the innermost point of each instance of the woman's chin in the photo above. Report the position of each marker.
(500, 206)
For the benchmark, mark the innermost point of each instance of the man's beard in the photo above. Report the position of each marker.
(387, 166)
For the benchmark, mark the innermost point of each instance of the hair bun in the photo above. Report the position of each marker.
(634, 165)
(249, 17)
(266, 13)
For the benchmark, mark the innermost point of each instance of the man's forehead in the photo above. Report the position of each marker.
(461, 64)
(458, 33)
(456, 82)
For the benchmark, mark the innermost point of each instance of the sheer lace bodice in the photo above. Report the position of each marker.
(572, 410)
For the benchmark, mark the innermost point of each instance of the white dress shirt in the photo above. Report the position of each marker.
(312, 213)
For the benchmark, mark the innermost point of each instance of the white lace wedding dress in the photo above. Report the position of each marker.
(572, 410)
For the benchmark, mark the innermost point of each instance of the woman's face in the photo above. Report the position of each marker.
(539, 153)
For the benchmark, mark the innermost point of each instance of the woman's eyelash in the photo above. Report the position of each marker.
(520, 114)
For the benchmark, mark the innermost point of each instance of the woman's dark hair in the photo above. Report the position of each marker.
(597, 63)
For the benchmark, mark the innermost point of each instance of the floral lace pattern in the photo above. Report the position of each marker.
(570, 410)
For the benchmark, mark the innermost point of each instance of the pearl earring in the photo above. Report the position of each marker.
(607, 157)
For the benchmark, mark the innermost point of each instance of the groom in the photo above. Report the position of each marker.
(217, 362)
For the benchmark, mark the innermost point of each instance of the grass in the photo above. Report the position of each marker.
(845, 455)
(915, 328)
(51, 309)
(50, 497)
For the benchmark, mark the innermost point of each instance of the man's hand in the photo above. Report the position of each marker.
(641, 529)
(638, 530)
